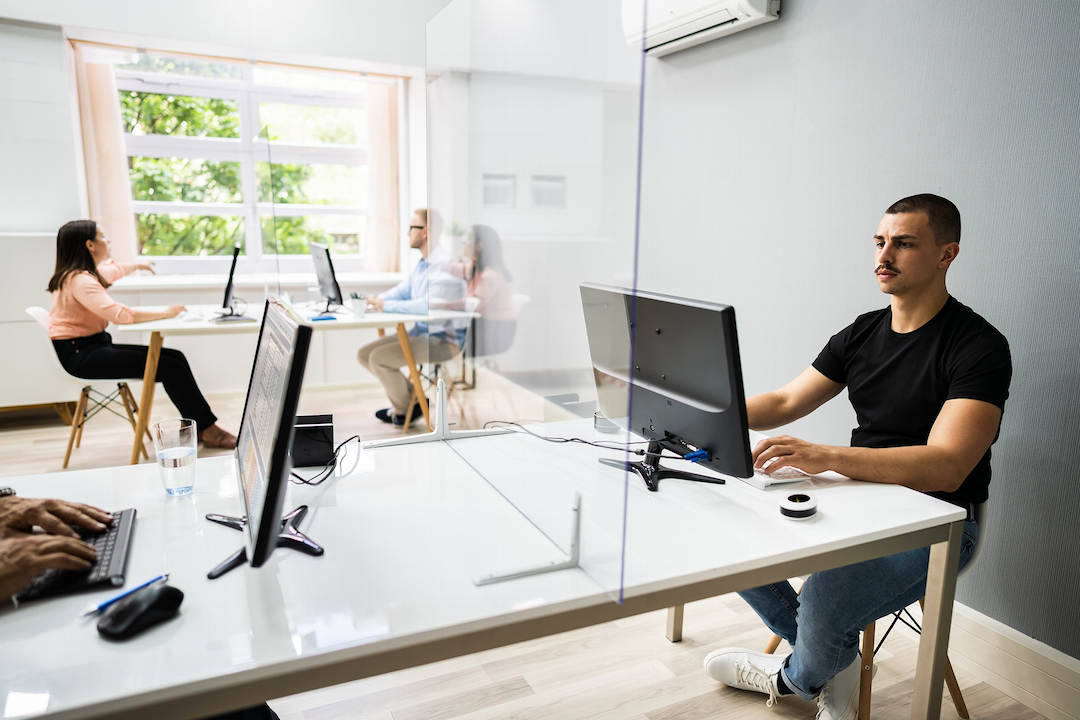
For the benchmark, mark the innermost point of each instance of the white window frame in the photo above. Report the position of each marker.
(247, 150)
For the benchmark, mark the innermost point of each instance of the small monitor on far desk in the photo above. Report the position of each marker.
(228, 310)
(328, 284)
(668, 369)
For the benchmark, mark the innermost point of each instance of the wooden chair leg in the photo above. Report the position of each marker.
(65, 410)
(82, 418)
(135, 409)
(76, 423)
(674, 623)
(130, 407)
(866, 675)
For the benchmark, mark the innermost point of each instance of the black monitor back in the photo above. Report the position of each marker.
(266, 429)
(227, 303)
(686, 378)
(324, 270)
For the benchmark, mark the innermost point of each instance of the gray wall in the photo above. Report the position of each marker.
(770, 157)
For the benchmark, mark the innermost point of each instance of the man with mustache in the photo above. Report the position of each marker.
(928, 379)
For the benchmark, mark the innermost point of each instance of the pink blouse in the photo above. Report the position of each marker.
(82, 307)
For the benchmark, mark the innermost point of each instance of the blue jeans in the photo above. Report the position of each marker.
(822, 624)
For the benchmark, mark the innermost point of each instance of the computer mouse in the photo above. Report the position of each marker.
(139, 611)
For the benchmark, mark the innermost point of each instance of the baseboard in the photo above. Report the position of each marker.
(1027, 670)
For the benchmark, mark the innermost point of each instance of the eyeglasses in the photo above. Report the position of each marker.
(416, 227)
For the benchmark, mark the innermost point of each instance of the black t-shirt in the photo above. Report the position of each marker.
(897, 382)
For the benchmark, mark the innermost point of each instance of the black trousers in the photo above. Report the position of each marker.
(97, 358)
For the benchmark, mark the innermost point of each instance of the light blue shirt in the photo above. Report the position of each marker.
(430, 281)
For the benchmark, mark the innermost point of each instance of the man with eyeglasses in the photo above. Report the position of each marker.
(433, 282)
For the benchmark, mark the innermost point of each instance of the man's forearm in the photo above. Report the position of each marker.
(922, 467)
(766, 411)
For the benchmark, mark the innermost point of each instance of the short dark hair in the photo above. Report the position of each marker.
(941, 214)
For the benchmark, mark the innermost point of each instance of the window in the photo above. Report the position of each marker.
(499, 191)
(549, 191)
(221, 152)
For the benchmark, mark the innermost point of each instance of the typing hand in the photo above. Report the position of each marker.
(174, 310)
(375, 303)
(23, 557)
(786, 451)
(148, 265)
(19, 515)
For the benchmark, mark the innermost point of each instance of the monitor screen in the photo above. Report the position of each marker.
(668, 369)
(324, 270)
(263, 462)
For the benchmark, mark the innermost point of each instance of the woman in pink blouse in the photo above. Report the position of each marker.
(82, 309)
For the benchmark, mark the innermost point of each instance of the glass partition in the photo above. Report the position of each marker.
(533, 117)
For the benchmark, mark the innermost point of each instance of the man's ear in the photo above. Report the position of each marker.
(949, 252)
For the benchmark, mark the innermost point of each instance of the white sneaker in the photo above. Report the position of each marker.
(839, 699)
(746, 670)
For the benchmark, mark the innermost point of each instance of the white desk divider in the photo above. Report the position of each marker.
(442, 429)
(570, 563)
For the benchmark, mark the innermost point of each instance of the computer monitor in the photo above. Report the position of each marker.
(262, 459)
(324, 270)
(683, 391)
(228, 313)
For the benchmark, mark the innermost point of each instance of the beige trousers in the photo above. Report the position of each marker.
(384, 359)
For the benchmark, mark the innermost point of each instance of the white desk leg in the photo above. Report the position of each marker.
(937, 621)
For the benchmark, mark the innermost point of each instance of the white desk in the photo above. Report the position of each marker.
(159, 329)
(404, 534)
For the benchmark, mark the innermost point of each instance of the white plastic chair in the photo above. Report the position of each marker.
(92, 398)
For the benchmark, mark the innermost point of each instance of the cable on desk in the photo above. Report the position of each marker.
(696, 456)
(328, 468)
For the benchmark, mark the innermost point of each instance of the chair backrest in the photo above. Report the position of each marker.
(42, 317)
(39, 314)
(981, 512)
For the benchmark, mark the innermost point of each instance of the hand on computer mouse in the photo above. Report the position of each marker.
(139, 611)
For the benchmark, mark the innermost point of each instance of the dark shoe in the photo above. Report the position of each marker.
(386, 415)
(399, 420)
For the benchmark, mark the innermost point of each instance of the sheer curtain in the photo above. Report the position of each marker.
(108, 185)
(381, 242)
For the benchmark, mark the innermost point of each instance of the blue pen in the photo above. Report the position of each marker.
(324, 317)
(95, 609)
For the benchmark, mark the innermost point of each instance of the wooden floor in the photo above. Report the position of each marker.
(625, 670)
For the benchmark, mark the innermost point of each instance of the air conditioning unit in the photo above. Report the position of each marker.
(678, 24)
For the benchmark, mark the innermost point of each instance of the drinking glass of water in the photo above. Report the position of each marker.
(175, 442)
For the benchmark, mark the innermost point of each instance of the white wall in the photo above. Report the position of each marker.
(38, 186)
(770, 157)
(373, 30)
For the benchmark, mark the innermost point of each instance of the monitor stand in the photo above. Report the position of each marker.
(226, 315)
(290, 537)
(326, 312)
(652, 472)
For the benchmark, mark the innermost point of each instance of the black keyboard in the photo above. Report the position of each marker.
(112, 550)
